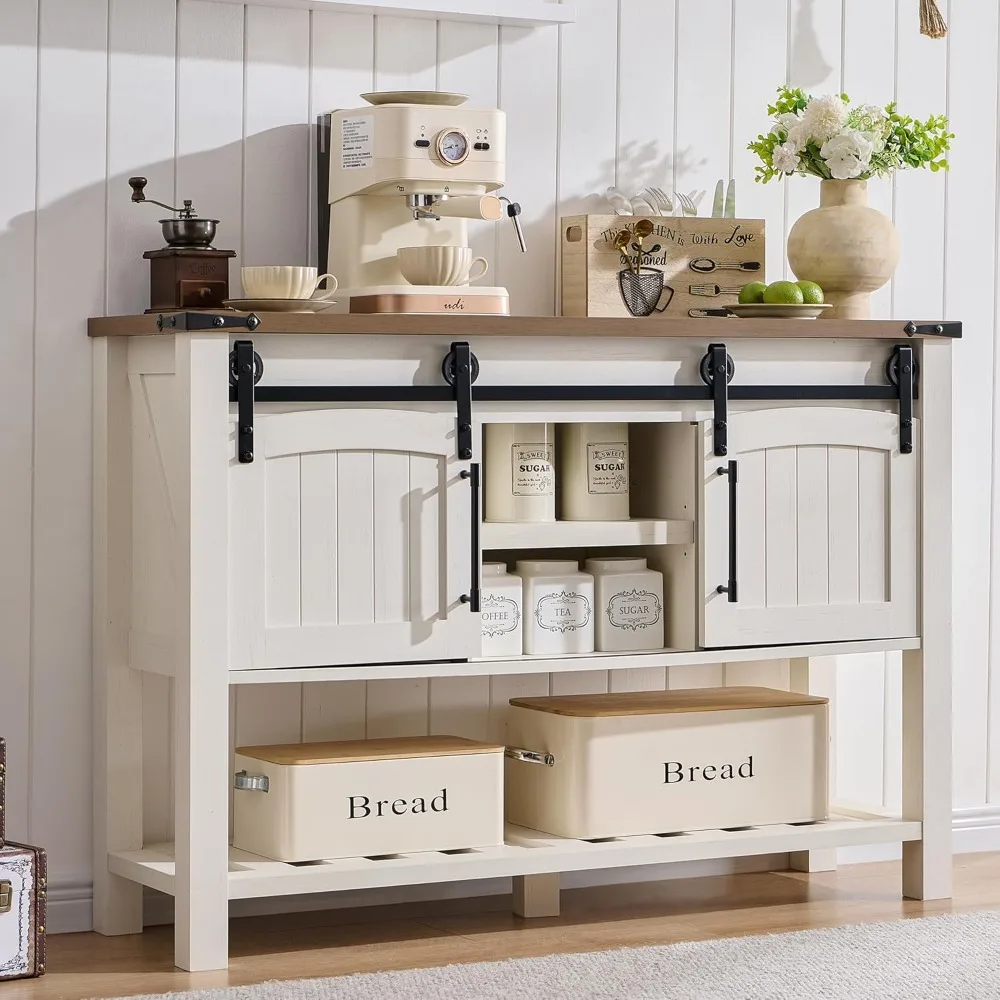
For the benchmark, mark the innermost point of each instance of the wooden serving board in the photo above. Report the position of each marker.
(597, 280)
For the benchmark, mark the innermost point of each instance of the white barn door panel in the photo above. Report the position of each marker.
(826, 528)
(350, 541)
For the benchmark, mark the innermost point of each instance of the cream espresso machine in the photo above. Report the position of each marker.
(410, 170)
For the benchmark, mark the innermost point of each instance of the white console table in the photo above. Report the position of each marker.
(220, 559)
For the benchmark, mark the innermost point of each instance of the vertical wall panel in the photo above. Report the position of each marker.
(210, 118)
(276, 150)
(646, 104)
(870, 78)
(529, 89)
(71, 214)
(141, 89)
(703, 95)
(18, 105)
(815, 66)
(970, 271)
(588, 64)
(141, 114)
(342, 60)
(405, 54)
(760, 31)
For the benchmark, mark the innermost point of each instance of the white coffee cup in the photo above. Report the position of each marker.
(286, 281)
(439, 265)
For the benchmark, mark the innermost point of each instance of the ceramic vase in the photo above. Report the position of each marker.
(845, 246)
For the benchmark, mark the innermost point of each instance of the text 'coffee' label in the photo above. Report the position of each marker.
(533, 473)
(607, 468)
(634, 610)
(562, 611)
(357, 141)
(500, 615)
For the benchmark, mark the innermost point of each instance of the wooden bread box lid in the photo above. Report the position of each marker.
(595, 706)
(347, 751)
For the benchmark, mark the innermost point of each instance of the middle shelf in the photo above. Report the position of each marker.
(585, 534)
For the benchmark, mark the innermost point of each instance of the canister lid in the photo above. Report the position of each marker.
(547, 567)
(594, 706)
(345, 751)
(616, 564)
(494, 569)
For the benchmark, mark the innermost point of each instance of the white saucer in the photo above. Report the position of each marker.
(441, 97)
(280, 305)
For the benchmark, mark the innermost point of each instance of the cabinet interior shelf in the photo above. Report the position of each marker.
(526, 852)
(514, 13)
(496, 667)
(585, 534)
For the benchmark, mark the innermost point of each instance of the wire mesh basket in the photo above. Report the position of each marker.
(642, 290)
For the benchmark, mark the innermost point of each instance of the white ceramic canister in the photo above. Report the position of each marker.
(558, 607)
(628, 598)
(593, 472)
(501, 610)
(520, 472)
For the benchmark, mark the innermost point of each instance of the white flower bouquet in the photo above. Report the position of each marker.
(828, 138)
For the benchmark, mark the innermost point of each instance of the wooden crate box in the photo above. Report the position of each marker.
(657, 762)
(687, 263)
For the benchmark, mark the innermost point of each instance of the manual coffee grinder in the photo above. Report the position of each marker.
(188, 273)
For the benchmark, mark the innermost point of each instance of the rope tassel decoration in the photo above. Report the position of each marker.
(932, 23)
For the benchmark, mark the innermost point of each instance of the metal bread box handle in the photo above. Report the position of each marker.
(529, 756)
(251, 782)
(6, 896)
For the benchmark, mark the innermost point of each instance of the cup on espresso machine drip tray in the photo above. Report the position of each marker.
(440, 265)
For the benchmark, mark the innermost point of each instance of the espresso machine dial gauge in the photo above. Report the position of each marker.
(453, 146)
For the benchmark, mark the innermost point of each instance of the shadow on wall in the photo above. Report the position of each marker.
(808, 65)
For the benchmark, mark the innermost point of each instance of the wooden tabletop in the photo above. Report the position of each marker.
(595, 706)
(344, 751)
(468, 327)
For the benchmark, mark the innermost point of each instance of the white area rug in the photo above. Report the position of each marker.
(954, 957)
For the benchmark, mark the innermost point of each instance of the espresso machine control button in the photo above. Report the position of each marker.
(481, 145)
(422, 143)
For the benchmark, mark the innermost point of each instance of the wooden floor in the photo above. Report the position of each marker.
(335, 943)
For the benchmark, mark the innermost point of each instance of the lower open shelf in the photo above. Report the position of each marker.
(526, 852)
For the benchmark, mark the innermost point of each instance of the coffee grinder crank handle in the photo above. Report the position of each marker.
(138, 185)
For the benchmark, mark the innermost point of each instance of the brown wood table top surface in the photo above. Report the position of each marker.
(468, 327)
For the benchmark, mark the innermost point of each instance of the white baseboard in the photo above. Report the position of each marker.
(974, 830)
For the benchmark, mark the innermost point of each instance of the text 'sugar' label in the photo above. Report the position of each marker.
(634, 610)
(533, 474)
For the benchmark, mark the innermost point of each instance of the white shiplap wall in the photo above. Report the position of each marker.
(213, 101)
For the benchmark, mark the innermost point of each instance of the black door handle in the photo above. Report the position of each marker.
(730, 587)
(473, 597)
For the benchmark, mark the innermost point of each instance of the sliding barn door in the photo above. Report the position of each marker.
(350, 541)
(824, 507)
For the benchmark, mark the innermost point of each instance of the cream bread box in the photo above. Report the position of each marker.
(363, 798)
(668, 761)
